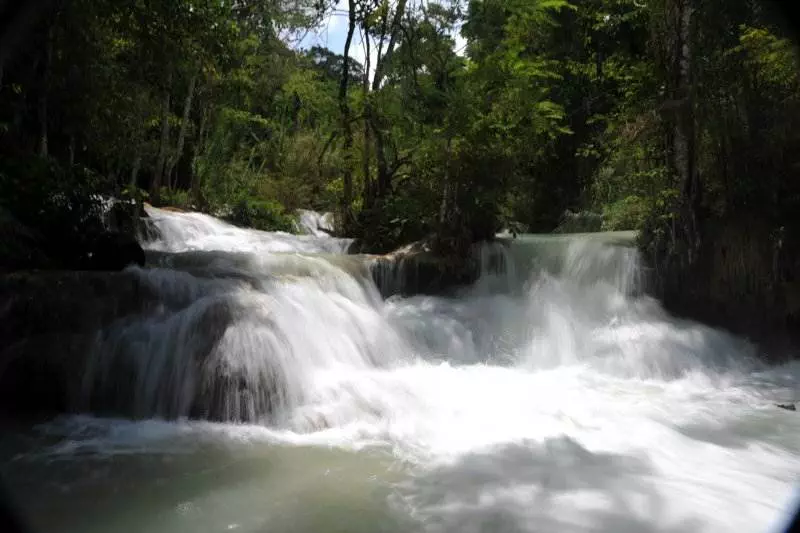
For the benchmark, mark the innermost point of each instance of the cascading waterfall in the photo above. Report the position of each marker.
(313, 223)
(276, 390)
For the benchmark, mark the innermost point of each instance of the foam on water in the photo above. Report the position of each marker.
(197, 231)
(562, 399)
(314, 223)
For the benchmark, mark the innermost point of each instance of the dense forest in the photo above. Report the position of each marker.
(677, 118)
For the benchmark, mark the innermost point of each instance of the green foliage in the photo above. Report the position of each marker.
(580, 222)
(553, 112)
(175, 198)
(262, 215)
(58, 208)
(626, 214)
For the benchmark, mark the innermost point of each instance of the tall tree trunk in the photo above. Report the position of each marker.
(187, 108)
(684, 127)
(155, 186)
(394, 31)
(71, 149)
(368, 188)
(447, 196)
(134, 181)
(196, 153)
(384, 181)
(43, 94)
(344, 108)
(384, 184)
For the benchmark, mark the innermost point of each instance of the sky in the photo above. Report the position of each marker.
(333, 33)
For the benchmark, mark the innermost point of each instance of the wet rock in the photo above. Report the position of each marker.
(120, 344)
(48, 325)
(20, 246)
(417, 269)
(114, 251)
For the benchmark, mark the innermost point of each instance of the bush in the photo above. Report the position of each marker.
(59, 204)
(626, 214)
(580, 222)
(176, 198)
(262, 215)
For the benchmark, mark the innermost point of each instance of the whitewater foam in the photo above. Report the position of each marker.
(554, 395)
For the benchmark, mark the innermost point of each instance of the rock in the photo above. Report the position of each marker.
(87, 342)
(417, 269)
(114, 251)
(48, 326)
(20, 246)
(132, 219)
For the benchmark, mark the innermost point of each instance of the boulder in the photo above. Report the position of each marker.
(114, 251)
(417, 269)
(20, 246)
(123, 344)
(48, 325)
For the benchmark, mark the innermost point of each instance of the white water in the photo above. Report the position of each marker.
(561, 399)
(314, 223)
(197, 231)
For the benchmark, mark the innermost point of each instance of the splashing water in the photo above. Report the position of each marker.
(553, 395)
(314, 223)
(197, 231)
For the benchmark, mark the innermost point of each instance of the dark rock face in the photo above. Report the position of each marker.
(20, 247)
(112, 245)
(48, 325)
(114, 251)
(417, 269)
(743, 279)
(126, 344)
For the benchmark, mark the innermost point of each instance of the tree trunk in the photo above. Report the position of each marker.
(71, 149)
(134, 181)
(187, 108)
(684, 128)
(393, 32)
(46, 68)
(155, 186)
(447, 198)
(368, 189)
(344, 108)
(197, 146)
(384, 181)
(384, 185)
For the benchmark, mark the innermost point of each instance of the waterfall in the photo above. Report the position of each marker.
(314, 223)
(283, 385)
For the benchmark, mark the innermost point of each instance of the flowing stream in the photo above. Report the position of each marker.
(553, 395)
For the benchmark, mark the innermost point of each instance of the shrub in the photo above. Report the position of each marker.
(579, 222)
(176, 198)
(263, 215)
(626, 214)
(59, 204)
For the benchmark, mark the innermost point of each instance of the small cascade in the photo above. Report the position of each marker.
(314, 223)
(235, 343)
(197, 231)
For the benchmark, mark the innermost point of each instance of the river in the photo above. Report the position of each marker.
(553, 395)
